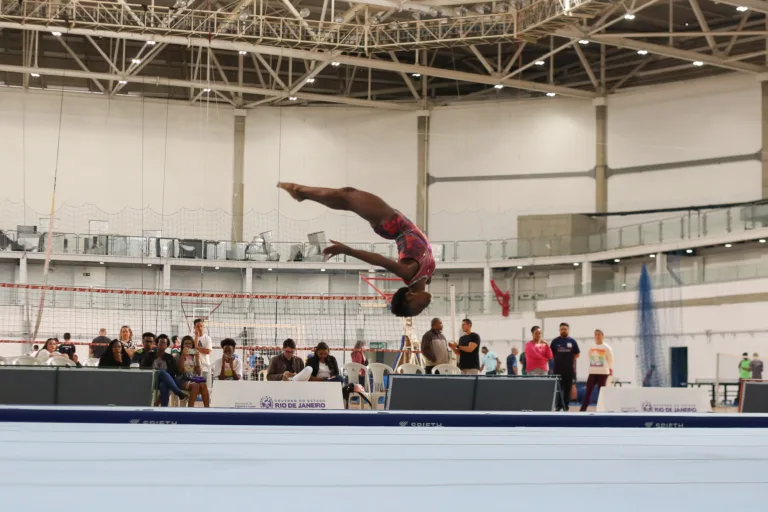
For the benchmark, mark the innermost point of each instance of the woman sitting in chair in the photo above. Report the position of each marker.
(48, 350)
(190, 372)
(115, 356)
(324, 366)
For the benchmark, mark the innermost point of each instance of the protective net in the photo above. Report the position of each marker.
(259, 323)
(651, 361)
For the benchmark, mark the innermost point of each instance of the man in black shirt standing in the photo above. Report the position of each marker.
(99, 344)
(67, 348)
(468, 349)
(565, 351)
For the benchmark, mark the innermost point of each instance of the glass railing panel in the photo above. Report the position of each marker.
(472, 250)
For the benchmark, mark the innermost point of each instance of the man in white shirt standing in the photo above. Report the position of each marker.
(600, 366)
(205, 347)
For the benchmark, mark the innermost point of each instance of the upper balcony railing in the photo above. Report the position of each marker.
(692, 225)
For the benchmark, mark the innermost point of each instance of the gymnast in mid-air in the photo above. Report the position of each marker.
(415, 264)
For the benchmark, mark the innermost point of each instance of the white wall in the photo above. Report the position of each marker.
(329, 147)
(113, 154)
(551, 135)
(698, 119)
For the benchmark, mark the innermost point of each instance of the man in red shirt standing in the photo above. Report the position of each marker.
(537, 354)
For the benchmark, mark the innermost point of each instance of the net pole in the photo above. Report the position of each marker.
(452, 296)
(717, 379)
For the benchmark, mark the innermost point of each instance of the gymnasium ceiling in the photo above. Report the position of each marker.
(389, 54)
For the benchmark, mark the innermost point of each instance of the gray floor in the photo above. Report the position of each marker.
(172, 467)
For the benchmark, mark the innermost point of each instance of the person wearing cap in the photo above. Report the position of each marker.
(756, 366)
(745, 372)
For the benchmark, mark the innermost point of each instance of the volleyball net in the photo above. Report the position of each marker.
(257, 322)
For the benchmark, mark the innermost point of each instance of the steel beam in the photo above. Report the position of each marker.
(482, 60)
(587, 67)
(703, 24)
(315, 55)
(753, 5)
(172, 82)
(79, 62)
(675, 53)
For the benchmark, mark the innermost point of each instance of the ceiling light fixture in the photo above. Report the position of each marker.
(519, 267)
(101, 263)
(728, 246)
(762, 240)
(292, 98)
(335, 64)
(215, 268)
(652, 255)
(136, 61)
(642, 52)
(304, 13)
(322, 270)
(149, 265)
(551, 94)
(629, 16)
(35, 75)
(310, 80)
(243, 52)
(583, 41)
(698, 63)
(56, 34)
(122, 82)
(576, 264)
(206, 90)
(742, 8)
(539, 62)
(498, 86)
(616, 260)
(689, 251)
(269, 270)
(151, 43)
(416, 75)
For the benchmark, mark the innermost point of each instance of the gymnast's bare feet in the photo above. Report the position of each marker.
(293, 189)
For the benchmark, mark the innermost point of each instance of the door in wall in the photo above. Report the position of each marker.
(679, 366)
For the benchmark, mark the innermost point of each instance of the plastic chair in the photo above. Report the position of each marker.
(25, 361)
(378, 371)
(446, 369)
(410, 369)
(60, 361)
(353, 377)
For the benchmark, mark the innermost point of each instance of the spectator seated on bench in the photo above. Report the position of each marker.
(324, 366)
(228, 366)
(115, 356)
(164, 366)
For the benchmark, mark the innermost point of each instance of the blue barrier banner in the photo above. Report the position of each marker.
(240, 417)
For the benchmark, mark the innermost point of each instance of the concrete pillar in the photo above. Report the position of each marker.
(586, 277)
(22, 278)
(166, 277)
(661, 264)
(422, 171)
(601, 155)
(238, 177)
(764, 126)
(248, 280)
(487, 291)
